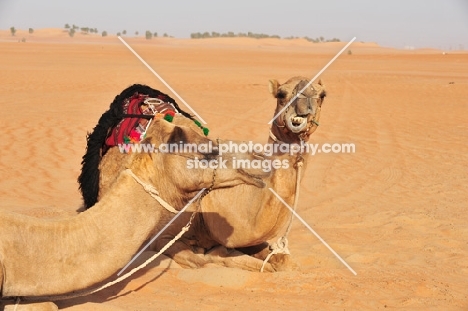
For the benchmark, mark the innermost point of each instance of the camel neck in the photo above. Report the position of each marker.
(49, 257)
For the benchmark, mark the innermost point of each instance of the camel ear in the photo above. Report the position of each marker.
(273, 86)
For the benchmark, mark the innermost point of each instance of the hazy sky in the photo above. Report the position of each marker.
(397, 23)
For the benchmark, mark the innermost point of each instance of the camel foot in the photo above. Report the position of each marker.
(279, 262)
(283, 262)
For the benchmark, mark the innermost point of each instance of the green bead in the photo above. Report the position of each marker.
(168, 118)
(206, 131)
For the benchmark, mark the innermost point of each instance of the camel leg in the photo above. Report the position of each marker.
(185, 255)
(182, 253)
(233, 258)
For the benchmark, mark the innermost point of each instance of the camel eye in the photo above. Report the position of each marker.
(281, 95)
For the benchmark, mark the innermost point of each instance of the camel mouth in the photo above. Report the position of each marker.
(296, 123)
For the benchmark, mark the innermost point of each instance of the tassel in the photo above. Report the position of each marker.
(168, 118)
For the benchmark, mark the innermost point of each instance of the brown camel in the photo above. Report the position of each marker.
(43, 257)
(254, 215)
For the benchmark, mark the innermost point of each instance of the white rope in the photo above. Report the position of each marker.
(281, 245)
(152, 192)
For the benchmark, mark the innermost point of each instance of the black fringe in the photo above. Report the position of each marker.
(89, 177)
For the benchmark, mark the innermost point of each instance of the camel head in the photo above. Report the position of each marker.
(189, 169)
(300, 119)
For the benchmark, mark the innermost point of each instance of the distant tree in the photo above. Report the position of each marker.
(322, 39)
(95, 30)
(165, 35)
(136, 33)
(104, 33)
(31, 30)
(124, 32)
(84, 29)
(71, 32)
(118, 34)
(12, 30)
(91, 30)
(349, 52)
(155, 34)
(67, 26)
(148, 35)
(75, 27)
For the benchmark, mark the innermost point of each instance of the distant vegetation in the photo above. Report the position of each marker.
(12, 30)
(230, 34)
(319, 39)
(72, 29)
(84, 30)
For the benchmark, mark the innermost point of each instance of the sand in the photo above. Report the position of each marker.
(395, 210)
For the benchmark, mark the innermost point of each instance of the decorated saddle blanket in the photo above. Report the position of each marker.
(138, 111)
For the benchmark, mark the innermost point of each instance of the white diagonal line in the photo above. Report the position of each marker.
(313, 232)
(162, 230)
(313, 79)
(162, 80)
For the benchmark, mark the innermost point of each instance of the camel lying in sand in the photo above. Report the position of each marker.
(44, 257)
(254, 215)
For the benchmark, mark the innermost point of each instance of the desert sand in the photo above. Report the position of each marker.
(395, 210)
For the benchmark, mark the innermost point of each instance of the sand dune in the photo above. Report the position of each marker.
(395, 210)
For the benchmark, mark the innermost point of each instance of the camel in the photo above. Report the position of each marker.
(254, 215)
(45, 257)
